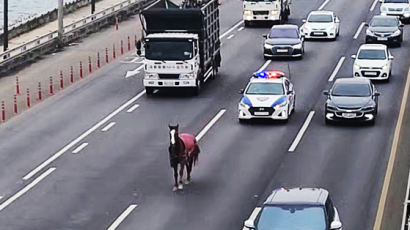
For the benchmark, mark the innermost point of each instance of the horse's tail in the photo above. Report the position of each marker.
(196, 153)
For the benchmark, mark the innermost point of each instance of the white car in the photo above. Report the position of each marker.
(321, 24)
(269, 94)
(400, 8)
(373, 61)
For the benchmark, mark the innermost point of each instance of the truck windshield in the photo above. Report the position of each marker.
(169, 50)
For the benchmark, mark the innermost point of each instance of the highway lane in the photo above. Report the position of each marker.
(236, 163)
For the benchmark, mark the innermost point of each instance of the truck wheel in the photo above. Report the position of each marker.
(149, 90)
(247, 23)
(197, 88)
(214, 72)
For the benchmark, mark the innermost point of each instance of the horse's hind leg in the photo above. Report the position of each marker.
(175, 178)
(189, 170)
(181, 175)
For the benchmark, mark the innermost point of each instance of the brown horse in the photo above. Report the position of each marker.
(183, 152)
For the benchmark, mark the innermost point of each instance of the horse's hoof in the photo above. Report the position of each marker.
(187, 181)
(180, 186)
(175, 188)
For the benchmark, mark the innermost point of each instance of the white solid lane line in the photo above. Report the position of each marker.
(26, 189)
(108, 127)
(301, 131)
(80, 138)
(230, 36)
(264, 65)
(241, 28)
(231, 29)
(323, 5)
(373, 5)
(338, 66)
(134, 107)
(210, 124)
(122, 217)
(392, 157)
(359, 30)
(79, 148)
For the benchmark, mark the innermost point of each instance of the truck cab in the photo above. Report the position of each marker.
(265, 10)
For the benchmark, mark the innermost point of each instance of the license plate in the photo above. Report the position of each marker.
(348, 115)
(371, 73)
(168, 83)
(261, 113)
(382, 39)
(318, 33)
(282, 50)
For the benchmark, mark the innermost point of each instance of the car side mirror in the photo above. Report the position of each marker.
(376, 94)
(337, 20)
(265, 36)
(354, 56)
(249, 224)
(326, 92)
(336, 225)
(366, 24)
(380, 1)
(391, 57)
(401, 25)
(304, 20)
(241, 91)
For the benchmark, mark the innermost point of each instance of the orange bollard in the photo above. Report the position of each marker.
(40, 95)
(71, 74)
(129, 43)
(106, 55)
(28, 99)
(122, 47)
(15, 105)
(113, 51)
(3, 112)
(51, 90)
(17, 86)
(61, 80)
(81, 69)
(98, 60)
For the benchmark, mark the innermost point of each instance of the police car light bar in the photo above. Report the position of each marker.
(269, 74)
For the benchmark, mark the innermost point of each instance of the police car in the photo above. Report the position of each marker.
(269, 94)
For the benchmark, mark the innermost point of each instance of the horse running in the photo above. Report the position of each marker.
(183, 152)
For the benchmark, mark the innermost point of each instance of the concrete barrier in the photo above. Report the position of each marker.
(48, 43)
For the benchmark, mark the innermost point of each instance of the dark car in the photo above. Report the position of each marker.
(351, 99)
(296, 208)
(283, 41)
(385, 29)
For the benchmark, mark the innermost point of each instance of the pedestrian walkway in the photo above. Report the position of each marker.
(53, 26)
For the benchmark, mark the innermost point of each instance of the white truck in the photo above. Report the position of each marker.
(275, 11)
(182, 46)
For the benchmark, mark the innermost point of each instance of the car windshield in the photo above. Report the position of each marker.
(320, 18)
(292, 217)
(372, 54)
(384, 22)
(169, 50)
(351, 90)
(260, 88)
(396, 1)
(283, 33)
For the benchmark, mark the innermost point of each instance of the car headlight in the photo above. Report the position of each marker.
(297, 46)
(268, 46)
(397, 33)
(369, 32)
(383, 9)
(247, 12)
(281, 105)
(187, 76)
(275, 12)
(356, 66)
(407, 9)
(305, 29)
(385, 67)
(151, 76)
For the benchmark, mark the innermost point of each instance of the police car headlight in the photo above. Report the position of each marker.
(247, 12)
(184, 76)
(151, 76)
(268, 46)
(397, 33)
(281, 105)
(369, 32)
(243, 105)
(297, 46)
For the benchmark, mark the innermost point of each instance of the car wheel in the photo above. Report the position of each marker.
(372, 122)
(149, 91)
(242, 121)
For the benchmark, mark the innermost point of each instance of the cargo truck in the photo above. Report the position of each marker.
(181, 45)
(274, 11)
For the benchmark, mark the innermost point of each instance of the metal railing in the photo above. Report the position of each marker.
(51, 37)
(405, 225)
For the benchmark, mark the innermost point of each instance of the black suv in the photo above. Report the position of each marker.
(385, 29)
(283, 41)
(296, 208)
(351, 99)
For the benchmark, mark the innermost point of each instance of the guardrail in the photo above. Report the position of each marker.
(405, 225)
(46, 39)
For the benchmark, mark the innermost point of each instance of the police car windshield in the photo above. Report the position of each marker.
(318, 18)
(292, 217)
(283, 33)
(372, 54)
(265, 88)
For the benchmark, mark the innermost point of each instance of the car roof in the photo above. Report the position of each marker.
(285, 26)
(326, 12)
(353, 80)
(373, 46)
(294, 196)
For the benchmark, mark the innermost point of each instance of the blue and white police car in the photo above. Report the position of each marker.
(269, 94)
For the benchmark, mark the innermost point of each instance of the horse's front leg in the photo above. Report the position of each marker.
(189, 170)
(181, 175)
(175, 178)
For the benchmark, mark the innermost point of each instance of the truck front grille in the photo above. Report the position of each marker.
(261, 12)
(168, 76)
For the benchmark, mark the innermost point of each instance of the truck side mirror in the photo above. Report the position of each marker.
(303, 20)
(139, 48)
(265, 36)
(354, 56)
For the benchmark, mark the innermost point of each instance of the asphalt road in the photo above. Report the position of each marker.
(239, 164)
